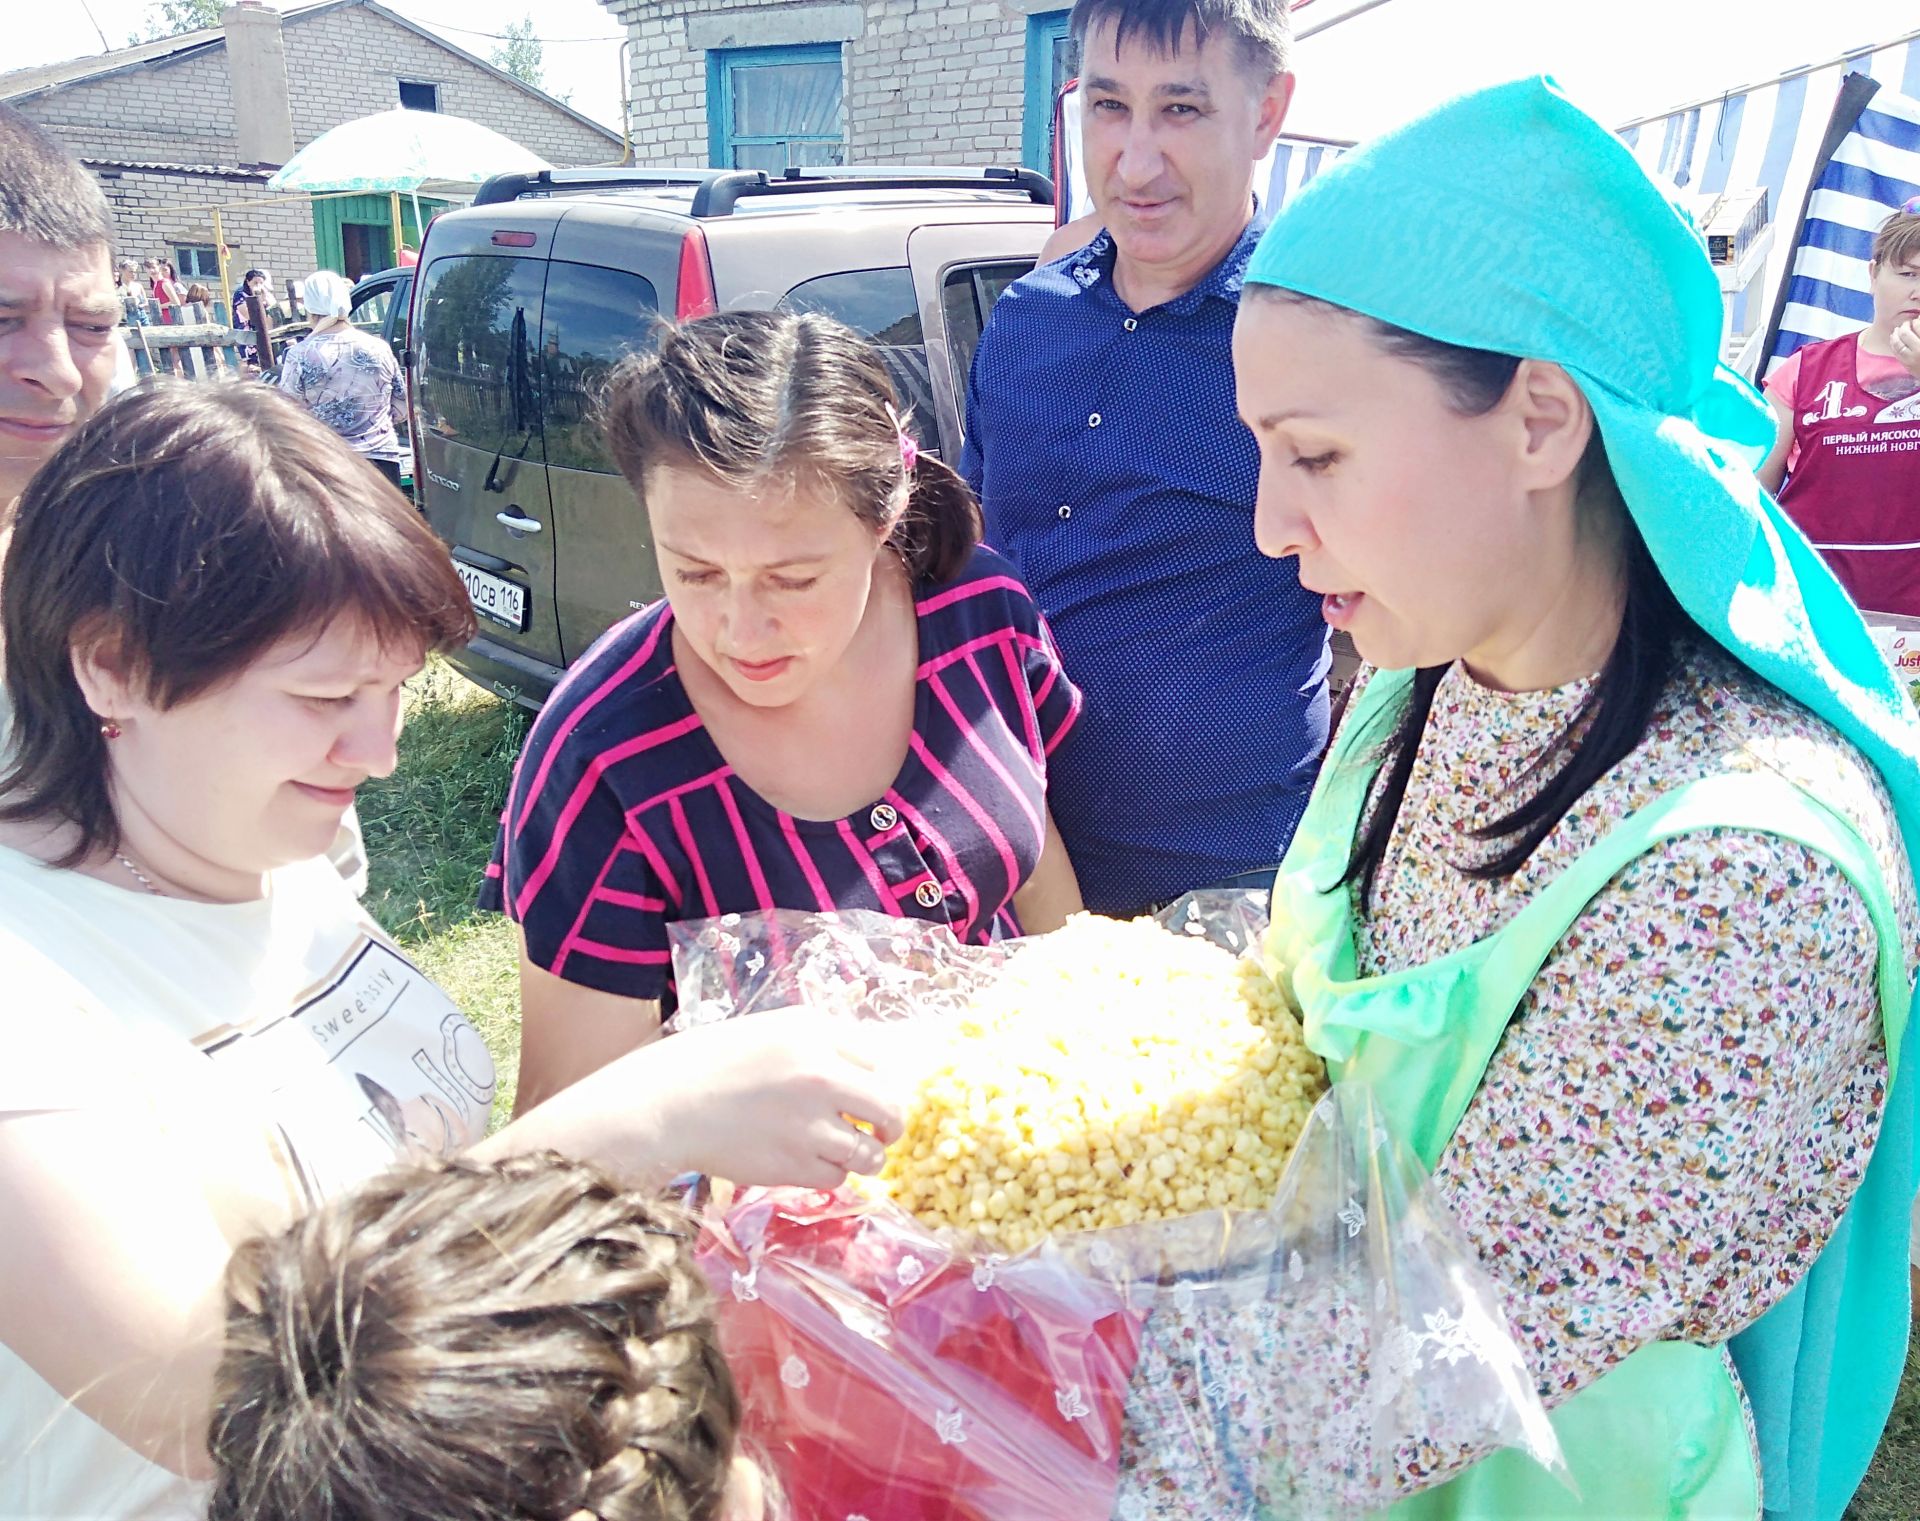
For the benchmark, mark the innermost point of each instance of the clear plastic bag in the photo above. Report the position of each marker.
(1311, 1360)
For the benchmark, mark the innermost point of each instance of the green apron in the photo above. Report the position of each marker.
(1664, 1434)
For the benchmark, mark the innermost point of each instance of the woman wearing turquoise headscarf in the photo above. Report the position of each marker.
(1605, 887)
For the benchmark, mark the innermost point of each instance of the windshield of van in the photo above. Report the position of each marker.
(478, 313)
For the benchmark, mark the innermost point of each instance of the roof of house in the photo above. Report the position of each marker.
(219, 171)
(19, 84)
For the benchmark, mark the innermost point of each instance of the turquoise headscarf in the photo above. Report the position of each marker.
(1511, 220)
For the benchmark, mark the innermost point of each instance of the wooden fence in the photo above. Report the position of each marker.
(197, 346)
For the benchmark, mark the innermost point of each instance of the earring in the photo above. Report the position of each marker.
(109, 729)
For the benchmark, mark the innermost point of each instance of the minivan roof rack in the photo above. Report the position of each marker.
(716, 192)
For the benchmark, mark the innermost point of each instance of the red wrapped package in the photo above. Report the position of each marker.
(887, 1377)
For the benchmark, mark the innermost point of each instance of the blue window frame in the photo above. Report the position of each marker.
(1048, 47)
(768, 108)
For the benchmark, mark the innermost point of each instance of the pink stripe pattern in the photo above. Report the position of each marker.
(625, 817)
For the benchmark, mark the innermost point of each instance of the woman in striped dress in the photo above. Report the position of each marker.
(843, 702)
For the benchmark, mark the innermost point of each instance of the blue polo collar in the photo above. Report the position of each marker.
(1091, 268)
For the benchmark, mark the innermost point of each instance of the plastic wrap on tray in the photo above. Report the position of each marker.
(1311, 1360)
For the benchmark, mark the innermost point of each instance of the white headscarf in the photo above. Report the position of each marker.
(326, 294)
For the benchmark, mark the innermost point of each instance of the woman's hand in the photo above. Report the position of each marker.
(1905, 343)
(769, 1098)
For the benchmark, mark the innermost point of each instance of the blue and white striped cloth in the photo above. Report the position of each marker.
(1770, 135)
(1874, 169)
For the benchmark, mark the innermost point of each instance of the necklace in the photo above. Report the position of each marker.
(138, 875)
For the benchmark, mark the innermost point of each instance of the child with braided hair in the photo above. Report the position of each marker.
(459, 1341)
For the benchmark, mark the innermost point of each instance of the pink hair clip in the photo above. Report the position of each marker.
(909, 450)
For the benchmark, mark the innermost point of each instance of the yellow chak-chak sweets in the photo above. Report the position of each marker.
(1113, 1073)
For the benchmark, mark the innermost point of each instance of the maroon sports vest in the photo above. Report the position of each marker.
(1855, 489)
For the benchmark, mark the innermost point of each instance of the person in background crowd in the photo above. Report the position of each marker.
(139, 311)
(136, 296)
(842, 701)
(1204, 665)
(1849, 445)
(346, 378)
(168, 293)
(199, 294)
(529, 1340)
(211, 607)
(253, 283)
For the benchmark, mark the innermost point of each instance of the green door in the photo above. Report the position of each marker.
(353, 234)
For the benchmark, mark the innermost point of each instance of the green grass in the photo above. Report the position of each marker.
(1892, 1489)
(430, 830)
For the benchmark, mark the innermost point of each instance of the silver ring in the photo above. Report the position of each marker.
(855, 1141)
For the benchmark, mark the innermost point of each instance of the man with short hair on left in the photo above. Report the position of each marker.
(59, 307)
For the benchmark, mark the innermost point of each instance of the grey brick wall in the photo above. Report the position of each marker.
(155, 209)
(175, 112)
(926, 81)
(347, 62)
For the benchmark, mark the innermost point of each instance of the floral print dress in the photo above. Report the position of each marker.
(352, 383)
(1687, 1097)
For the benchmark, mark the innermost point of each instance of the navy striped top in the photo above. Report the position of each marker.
(624, 815)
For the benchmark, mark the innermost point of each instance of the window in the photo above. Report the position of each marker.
(403, 297)
(197, 261)
(476, 376)
(418, 95)
(594, 317)
(768, 108)
(967, 295)
(879, 305)
(370, 316)
(1049, 50)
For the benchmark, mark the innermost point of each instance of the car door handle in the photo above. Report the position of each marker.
(512, 519)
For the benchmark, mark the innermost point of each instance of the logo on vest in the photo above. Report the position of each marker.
(1829, 403)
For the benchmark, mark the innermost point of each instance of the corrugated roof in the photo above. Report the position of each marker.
(231, 171)
(50, 76)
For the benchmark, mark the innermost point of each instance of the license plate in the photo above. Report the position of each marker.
(494, 597)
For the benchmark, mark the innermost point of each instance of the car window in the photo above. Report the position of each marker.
(594, 317)
(478, 317)
(370, 315)
(403, 298)
(879, 304)
(967, 296)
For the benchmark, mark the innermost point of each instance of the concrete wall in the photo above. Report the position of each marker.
(927, 81)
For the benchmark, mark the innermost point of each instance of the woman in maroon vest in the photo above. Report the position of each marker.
(1849, 445)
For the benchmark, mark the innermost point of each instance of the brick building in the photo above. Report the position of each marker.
(861, 81)
(175, 126)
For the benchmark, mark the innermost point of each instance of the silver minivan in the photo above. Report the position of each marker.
(526, 299)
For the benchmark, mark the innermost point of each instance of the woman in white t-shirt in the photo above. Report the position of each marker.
(211, 606)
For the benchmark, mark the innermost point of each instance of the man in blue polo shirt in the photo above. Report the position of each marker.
(1113, 469)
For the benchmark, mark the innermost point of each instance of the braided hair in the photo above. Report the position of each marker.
(458, 1341)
